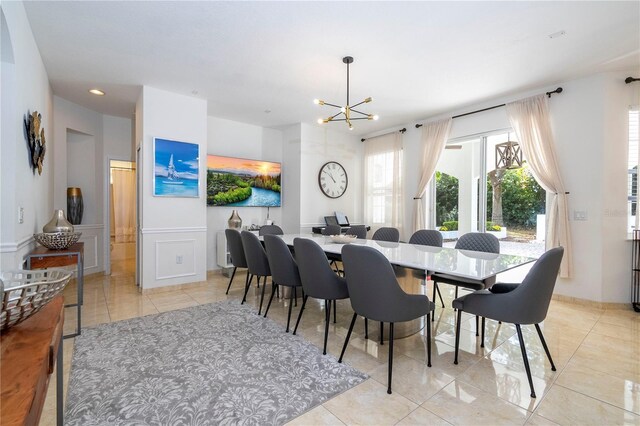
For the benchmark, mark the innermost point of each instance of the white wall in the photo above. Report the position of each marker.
(589, 122)
(171, 227)
(233, 139)
(320, 144)
(25, 88)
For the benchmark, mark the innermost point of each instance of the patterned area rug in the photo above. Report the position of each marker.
(212, 364)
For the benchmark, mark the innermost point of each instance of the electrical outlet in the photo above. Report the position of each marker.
(20, 214)
(579, 215)
(179, 259)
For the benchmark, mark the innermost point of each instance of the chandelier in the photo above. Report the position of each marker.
(350, 114)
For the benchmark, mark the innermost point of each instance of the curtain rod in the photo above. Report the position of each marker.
(631, 80)
(558, 90)
(404, 129)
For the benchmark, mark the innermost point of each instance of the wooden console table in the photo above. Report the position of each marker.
(42, 257)
(29, 351)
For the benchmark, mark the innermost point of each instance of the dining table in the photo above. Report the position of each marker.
(427, 259)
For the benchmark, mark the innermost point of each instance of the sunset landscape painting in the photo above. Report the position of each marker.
(240, 182)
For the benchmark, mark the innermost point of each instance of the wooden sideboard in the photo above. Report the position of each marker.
(28, 353)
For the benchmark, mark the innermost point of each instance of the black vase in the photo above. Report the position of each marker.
(75, 205)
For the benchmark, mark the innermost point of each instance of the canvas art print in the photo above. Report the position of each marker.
(239, 182)
(176, 167)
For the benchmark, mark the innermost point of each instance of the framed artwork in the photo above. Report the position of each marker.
(240, 182)
(176, 168)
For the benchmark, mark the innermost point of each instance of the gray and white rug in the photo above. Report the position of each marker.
(219, 363)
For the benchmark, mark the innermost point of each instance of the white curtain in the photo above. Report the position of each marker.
(434, 138)
(384, 204)
(530, 119)
(124, 204)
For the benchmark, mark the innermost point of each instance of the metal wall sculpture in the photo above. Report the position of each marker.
(35, 140)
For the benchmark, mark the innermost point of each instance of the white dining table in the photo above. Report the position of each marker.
(461, 263)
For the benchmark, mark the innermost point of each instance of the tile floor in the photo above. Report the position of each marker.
(597, 354)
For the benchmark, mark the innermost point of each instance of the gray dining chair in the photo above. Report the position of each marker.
(238, 259)
(318, 280)
(386, 234)
(257, 263)
(332, 230)
(433, 238)
(473, 241)
(270, 230)
(526, 303)
(360, 231)
(284, 271)
(375, 294)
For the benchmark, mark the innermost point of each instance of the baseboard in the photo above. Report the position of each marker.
(592, 303)
(164, 289)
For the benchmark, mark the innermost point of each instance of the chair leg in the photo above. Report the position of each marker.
(526, 360)
(246, 289)
(390, 357)
(335, 309)
(304, 302)
(327, 319)
(381, 333)
(436, 288)
(290, 307)
(546, 349)
(264, 285)
(274, 286)
(233, 274)
(428, 340)
(455, 359)
(477, 326)
(456, 292)
(482, 338)
(346, 340)
(366, 328)
(295, 295)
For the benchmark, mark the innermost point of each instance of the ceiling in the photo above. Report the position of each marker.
(264, 62)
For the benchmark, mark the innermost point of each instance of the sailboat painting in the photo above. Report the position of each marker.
(176, 168)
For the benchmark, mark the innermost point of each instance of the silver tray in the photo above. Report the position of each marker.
(26, 292)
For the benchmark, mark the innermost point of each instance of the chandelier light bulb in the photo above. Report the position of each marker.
(320, 121)
(316, 101)
(375, 117)
(343, 110)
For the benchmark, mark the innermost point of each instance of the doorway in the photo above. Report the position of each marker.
(122, 218)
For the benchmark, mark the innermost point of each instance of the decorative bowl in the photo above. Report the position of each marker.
(57, 240)
(26, 292)
(343, 239)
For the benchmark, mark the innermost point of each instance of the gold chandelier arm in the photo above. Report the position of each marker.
(333, 105)
(363, 102)
(359, 112)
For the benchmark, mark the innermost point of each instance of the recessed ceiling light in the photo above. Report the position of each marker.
(557, 34)
(97, 92)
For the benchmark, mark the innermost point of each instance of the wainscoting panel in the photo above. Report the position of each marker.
(175, 258)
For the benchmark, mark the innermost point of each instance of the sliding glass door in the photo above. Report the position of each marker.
(482, 184)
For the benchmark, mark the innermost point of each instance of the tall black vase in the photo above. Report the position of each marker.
(75, 205)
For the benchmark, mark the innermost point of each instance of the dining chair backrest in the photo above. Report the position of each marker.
(531, 299)
(373, 288)
(318, 279)
(332, 230)
(234, 242)
(426, 237)
(386, 234)
(479, 241)
(257, 261)
(360, 231)
(270, 230)
(284, 269)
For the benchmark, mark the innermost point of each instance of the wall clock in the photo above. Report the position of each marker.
(333, 179)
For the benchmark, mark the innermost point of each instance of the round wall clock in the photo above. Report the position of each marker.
(332, 179)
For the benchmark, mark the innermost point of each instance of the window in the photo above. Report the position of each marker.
(383, 181)
(632, 167)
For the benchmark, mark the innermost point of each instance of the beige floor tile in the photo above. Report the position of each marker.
(368, 403)
(565, 406)
(412, 379)
(606, 343)
(463, 404)
(316, 416)
(420, 417)
(537, 420)
(622, 393)
(620, 317)
(169, 301)
(507, 382)
(629, 332)
(608, 361)
(442, 356)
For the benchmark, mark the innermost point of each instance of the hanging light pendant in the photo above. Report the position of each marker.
(350, 114)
